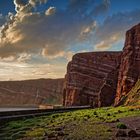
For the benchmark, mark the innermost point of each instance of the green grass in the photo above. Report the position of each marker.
(82, 124)
(133, 97)
(121, 125)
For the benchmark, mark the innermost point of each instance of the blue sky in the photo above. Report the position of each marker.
(39, 37)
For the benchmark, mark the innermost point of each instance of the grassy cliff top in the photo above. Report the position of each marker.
(133, 97)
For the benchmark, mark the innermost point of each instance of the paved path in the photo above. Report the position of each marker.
(15, 109)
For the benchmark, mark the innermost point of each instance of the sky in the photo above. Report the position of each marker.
(39, 37)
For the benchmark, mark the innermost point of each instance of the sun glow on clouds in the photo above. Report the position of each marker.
(106, 44)
(50, 11)
(21, 71)
(36, 43)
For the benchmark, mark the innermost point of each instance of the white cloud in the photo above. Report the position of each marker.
(34, 2)
(106, 44)
(50, 11)
(24, 71)
(30, 31)
(8, 59)
(88, 30)
(64, 54)
(23, 57)
(49, 33)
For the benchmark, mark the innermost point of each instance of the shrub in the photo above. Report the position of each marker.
(95, 113)
(121, 126)
(108, 114)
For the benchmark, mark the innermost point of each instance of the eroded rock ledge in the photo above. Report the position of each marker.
(100, 78)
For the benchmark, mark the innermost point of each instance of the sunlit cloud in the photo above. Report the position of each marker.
(29, 71)
(107, 43)
(52, 31)
(114, 28)
(36, 43)
(50, 11)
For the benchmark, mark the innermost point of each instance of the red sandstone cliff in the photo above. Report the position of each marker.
(129, 71)
(31, 92)
(91, 79)
(99, 78)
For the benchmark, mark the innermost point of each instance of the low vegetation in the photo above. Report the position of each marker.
(82, 124)
(133, 97)
(121, 126)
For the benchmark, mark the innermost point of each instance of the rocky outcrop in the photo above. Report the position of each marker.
(129, 71)
(91, 79)
(99, 78)
(31, 92)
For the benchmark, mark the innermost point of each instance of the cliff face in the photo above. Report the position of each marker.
(31, 92)
(100, 78)
(129, 71)
(91, 79)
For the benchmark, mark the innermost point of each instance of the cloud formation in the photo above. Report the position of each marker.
(114, 27)
(33, 41)
(28, 71)
(50, 11)
(52, 31)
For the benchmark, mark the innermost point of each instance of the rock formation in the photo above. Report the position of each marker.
(99, 78)
(31, 92)
(91, 79)
(129, 71)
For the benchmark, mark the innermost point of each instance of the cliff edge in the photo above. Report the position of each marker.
(103, 78)
(129, 71)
